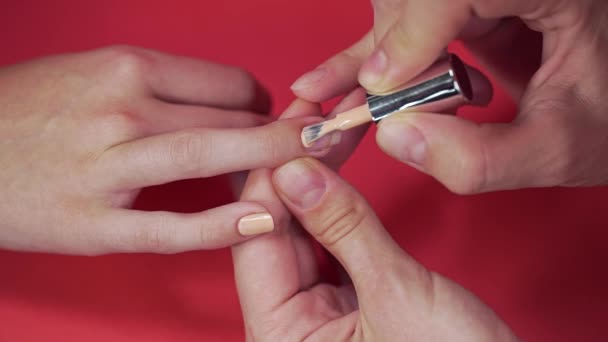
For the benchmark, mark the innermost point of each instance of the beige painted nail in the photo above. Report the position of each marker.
(256, 224)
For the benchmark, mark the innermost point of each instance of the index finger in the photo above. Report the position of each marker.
(205, 152)
(422, 29)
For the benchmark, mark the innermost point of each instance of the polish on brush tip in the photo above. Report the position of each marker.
(346, 120)
(445, 85)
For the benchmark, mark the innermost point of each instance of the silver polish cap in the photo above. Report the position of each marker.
(443, 86)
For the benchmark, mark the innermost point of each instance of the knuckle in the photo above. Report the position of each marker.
(338, 223)
(67, 221)
(467, 172)
(187, 151)
(473, 175)
(116, 124)
(560, 160)
(268, 327)
(147, 239)
(154, 238)
(207, 236)
(244, 78)
(127, 62)
(401, 34)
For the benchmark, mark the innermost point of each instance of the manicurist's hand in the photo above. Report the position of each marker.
(81, 134)
(392, 297)
(559, 137)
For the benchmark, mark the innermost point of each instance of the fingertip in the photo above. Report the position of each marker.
(402, 140)
(303, 111)
(300, 182)
(380, 79)
(373, 72)
(255, 224)
(404, 51)
(232, 223)
(315, 86)
(335, 83)
(309, 79)
(301, 107)
(465, 157)
(336, 76)
(288, 137)
(335, 215)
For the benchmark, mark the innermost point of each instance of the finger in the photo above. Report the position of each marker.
(161, 117)
(338, 218)
(417, 37)
(470, 158)
(203, 152)
(309, 273)
(129, 231)
(412, 43)
(273, 268)
(266, 269)
(340, 329)
(385, 278)
(298, 108)
(336, 76)
(187, 80)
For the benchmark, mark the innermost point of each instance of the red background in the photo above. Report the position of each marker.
(536, 256)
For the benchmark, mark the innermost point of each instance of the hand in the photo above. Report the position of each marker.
(81, 134)
(559, 136)
(391, 298)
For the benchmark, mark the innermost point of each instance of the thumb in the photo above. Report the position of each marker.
(468, 157)
(339, 218)
(405, 49)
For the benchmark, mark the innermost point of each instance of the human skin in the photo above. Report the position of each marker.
(81, 134)
(549, 54)
(391, 297)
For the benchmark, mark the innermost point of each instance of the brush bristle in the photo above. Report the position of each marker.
(311, 133)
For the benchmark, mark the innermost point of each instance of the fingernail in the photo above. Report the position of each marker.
(301, 183)
(373, 70)
(402, 141)
(255, 224)
(309, 79)
(326, 142)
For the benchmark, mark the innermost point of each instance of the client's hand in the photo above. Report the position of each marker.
(81, 134)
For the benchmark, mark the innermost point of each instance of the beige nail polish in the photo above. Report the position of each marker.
(326, 142)
(256, 224)
(342, 122)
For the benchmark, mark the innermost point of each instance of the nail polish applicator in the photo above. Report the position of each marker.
(445, 85)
